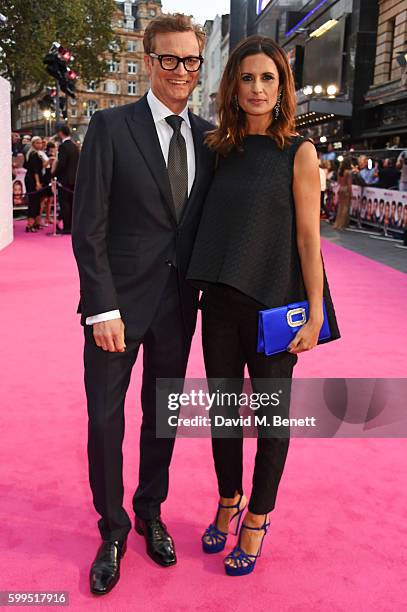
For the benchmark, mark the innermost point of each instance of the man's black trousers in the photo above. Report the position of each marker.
(166, 346)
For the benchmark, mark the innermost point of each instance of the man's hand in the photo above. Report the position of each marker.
(109, 335)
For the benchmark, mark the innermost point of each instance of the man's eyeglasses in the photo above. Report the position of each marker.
(171, 62)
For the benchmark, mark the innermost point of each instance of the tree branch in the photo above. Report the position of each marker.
(29, 96)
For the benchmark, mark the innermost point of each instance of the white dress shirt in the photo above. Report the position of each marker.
(164, 133)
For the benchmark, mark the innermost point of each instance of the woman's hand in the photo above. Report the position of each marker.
(38, 186)
(306, 338)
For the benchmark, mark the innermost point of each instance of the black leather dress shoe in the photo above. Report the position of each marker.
(160, 545)
(105, 570)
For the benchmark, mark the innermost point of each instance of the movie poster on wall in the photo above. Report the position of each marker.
(18, 187)
(381, 208)
(373, 207)
(356, 200)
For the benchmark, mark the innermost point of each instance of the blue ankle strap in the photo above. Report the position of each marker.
(265, 526)
(236, 505)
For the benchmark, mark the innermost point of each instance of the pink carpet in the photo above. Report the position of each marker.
(338, 535)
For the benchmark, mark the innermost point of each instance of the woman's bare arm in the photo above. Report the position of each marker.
(307, 193)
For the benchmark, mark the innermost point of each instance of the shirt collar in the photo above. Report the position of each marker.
(67, 138)
(160, 111)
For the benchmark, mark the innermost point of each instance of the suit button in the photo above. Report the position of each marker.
(168, 262)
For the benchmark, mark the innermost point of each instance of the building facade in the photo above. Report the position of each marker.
(125, 82)
(196, 99)
(385, 110)
(346, 58)
(216, 55)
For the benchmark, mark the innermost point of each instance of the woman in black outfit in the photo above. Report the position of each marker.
(33, 185)
(257, 247)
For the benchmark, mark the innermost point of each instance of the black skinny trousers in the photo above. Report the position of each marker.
(229, 337)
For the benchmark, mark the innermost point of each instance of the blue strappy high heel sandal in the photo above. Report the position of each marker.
(243, 563)
(217, 538)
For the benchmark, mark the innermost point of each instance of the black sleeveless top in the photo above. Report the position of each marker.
(247, 234)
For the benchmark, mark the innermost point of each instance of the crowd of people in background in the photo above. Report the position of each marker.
(35, 162)
(388, 173)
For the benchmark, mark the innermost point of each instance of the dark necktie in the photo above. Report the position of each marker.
(177, 165)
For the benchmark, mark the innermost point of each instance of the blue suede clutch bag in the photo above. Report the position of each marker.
(278, 326)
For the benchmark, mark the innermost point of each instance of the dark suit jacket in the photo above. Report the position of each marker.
(125, 234)
(68, 157)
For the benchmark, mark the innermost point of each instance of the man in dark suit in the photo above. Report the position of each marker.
(65, 171)
(142, 180)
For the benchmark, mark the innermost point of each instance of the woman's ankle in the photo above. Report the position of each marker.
(255, 520)
(229, 501)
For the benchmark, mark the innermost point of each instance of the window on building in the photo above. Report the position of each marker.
(111, 87)
(132, 67)
(112, 103)
(113, 66)
(132, 88)
(127, 8)
(90, 108)
(129, 23)
(74, 112)
(91, 86)
(131, 46)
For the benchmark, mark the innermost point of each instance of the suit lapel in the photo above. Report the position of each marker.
(144, 133)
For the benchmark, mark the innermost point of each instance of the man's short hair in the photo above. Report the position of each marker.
(176, 22)
(64, 129)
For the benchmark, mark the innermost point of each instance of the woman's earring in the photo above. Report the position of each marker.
(236, 103)
(277, 106)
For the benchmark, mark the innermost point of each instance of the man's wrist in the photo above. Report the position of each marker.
(103, 316)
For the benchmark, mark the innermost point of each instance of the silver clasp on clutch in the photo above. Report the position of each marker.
(294, 311)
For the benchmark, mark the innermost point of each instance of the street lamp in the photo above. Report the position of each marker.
(47, 116)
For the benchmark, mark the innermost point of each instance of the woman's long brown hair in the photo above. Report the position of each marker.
(232, 121)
